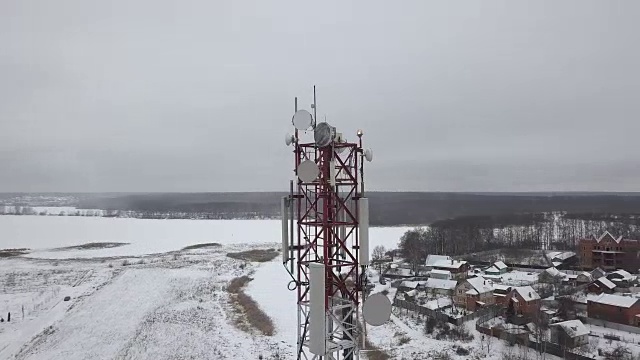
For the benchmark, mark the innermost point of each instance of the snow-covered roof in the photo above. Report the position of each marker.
(441, 272)
(438, 303)
(606, 282)
(472, 292)
(492, 269)
(411, 293)
(561, 255)
(586, 274)
(432, 259)
(480, 284)
(573, 328)
(500, 265)
(441, 284)
(527, 293)
(449, 264)
(556, 263)
(412, 284)
(555, 272)
(615, 300)
(622, 275)
(501, 287)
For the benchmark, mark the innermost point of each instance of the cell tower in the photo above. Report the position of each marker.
(325, 239)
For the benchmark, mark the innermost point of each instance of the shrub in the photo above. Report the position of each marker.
(403, 340)
(126, 262)
(429, 325)
(462, 351)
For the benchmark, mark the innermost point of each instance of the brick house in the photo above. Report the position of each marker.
(615, 308)
(601, 285)
(609, 253)
(474, 293)
(458, 269)
(525, 300)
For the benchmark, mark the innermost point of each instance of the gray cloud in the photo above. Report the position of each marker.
(196, 95)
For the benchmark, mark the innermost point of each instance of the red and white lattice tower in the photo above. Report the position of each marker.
(325, 232)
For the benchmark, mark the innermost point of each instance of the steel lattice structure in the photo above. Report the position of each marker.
(325, 230)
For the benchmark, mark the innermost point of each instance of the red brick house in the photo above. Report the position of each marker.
(525, 300)
(610, 253)
(615, 308)
(474, 293)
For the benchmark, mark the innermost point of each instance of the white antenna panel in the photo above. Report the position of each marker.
(363, 230)
(317, 316)
(284, 208)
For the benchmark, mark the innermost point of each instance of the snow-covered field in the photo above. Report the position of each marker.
(146, 300)
(44, 233)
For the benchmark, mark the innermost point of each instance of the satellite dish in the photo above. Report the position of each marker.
(302, 120)
(288, 139)
(308, 171)
(377, 309)
(324, 134)
(368, 154)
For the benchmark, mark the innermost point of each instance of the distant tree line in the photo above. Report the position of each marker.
(469, 234)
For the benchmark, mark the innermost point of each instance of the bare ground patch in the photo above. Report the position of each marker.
(258, 255)
(5, 253)
(92, 246)
(200, 246)
(248, 313)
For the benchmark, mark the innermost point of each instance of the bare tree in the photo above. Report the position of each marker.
(377, 256)
(412, 247)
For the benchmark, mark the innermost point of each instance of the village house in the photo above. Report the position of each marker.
(440, 274)
(440, 287)
(498, 268)
(584, 278)
(502, 294)
(458, 269)
(525, 300)
(411, 285)
(622, 278)
(601, 285)
(569, 334)
(433, 259)
(615, 308)
(474, 293)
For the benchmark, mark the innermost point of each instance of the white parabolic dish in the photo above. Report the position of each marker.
(308, 171)
(302, 120)
(377, 310)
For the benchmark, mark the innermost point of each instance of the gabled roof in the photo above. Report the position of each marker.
(411, 293)
(449, 264)
(586, 274)
(573, 328)
(606, 282)
(500, 265)
(615, 300)
(432, 259)
(480, 284)
(527, 293)
(492, 269)
(441, 284)
(622, 275)
(412, 284)
(607, 235)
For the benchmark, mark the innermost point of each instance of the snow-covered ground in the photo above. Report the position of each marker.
(146, 300)
(43, 233)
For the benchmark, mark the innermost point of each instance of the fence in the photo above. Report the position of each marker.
(549, 348)
(486, 311)
(611, 325)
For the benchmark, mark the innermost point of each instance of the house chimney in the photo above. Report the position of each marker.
(529, 293)
(451, 261)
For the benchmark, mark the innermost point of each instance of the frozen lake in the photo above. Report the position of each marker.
(41, 233)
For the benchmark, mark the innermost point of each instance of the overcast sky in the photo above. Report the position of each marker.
(197, 95)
